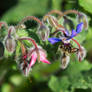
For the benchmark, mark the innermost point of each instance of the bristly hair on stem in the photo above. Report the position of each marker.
(55, 12)
(53, 22)
(34, 43)
(61, 14)
(3, 24)
(29, 18)
(69, 12)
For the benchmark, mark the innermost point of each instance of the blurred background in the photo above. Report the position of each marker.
(46, 78)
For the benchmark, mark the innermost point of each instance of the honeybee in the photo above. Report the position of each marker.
(67, 49)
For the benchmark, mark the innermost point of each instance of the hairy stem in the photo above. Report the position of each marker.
(34, 43)
(61, 14)
(3, 24)
(69, 12)
(55, 11)
(77, 43)
(29, 18)
(23, 49)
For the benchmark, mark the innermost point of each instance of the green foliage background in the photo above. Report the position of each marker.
(47, 78)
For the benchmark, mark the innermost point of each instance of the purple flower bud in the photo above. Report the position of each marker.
(52, 21)
(1, 50)
(81, 54)
(83, 18)
(10, 44)
(65, 61)
(43, 32)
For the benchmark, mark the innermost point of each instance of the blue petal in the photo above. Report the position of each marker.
(74, 33)
(54, 40)
(78, 30)
(79, 27)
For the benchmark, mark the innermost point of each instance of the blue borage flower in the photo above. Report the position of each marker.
(79, 28)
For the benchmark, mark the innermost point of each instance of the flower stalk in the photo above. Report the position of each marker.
(34, 43)
(29, 18)
(3, 24)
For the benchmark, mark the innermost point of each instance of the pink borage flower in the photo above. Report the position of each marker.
(31, 57)
(36, 52)
(34, 56)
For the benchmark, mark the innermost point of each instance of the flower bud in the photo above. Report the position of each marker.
(43, 32)
(23, 65)
(65, 61)
(52, 21)
(81, 54)
(10, 43)
(83, 18)
(1, 50)
(24, 68)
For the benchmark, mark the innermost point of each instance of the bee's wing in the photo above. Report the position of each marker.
(73, 50)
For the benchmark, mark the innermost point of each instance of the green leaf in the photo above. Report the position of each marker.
(59, 84)
(7, 53)
(77, 67)
(53, 84)
(26, 8)
(80, 38)
(72, 77)
(56, 4)
(16, 79)
(89, 34)
(86, 4)
(42, 71)
(22, 33)
(6, 87)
